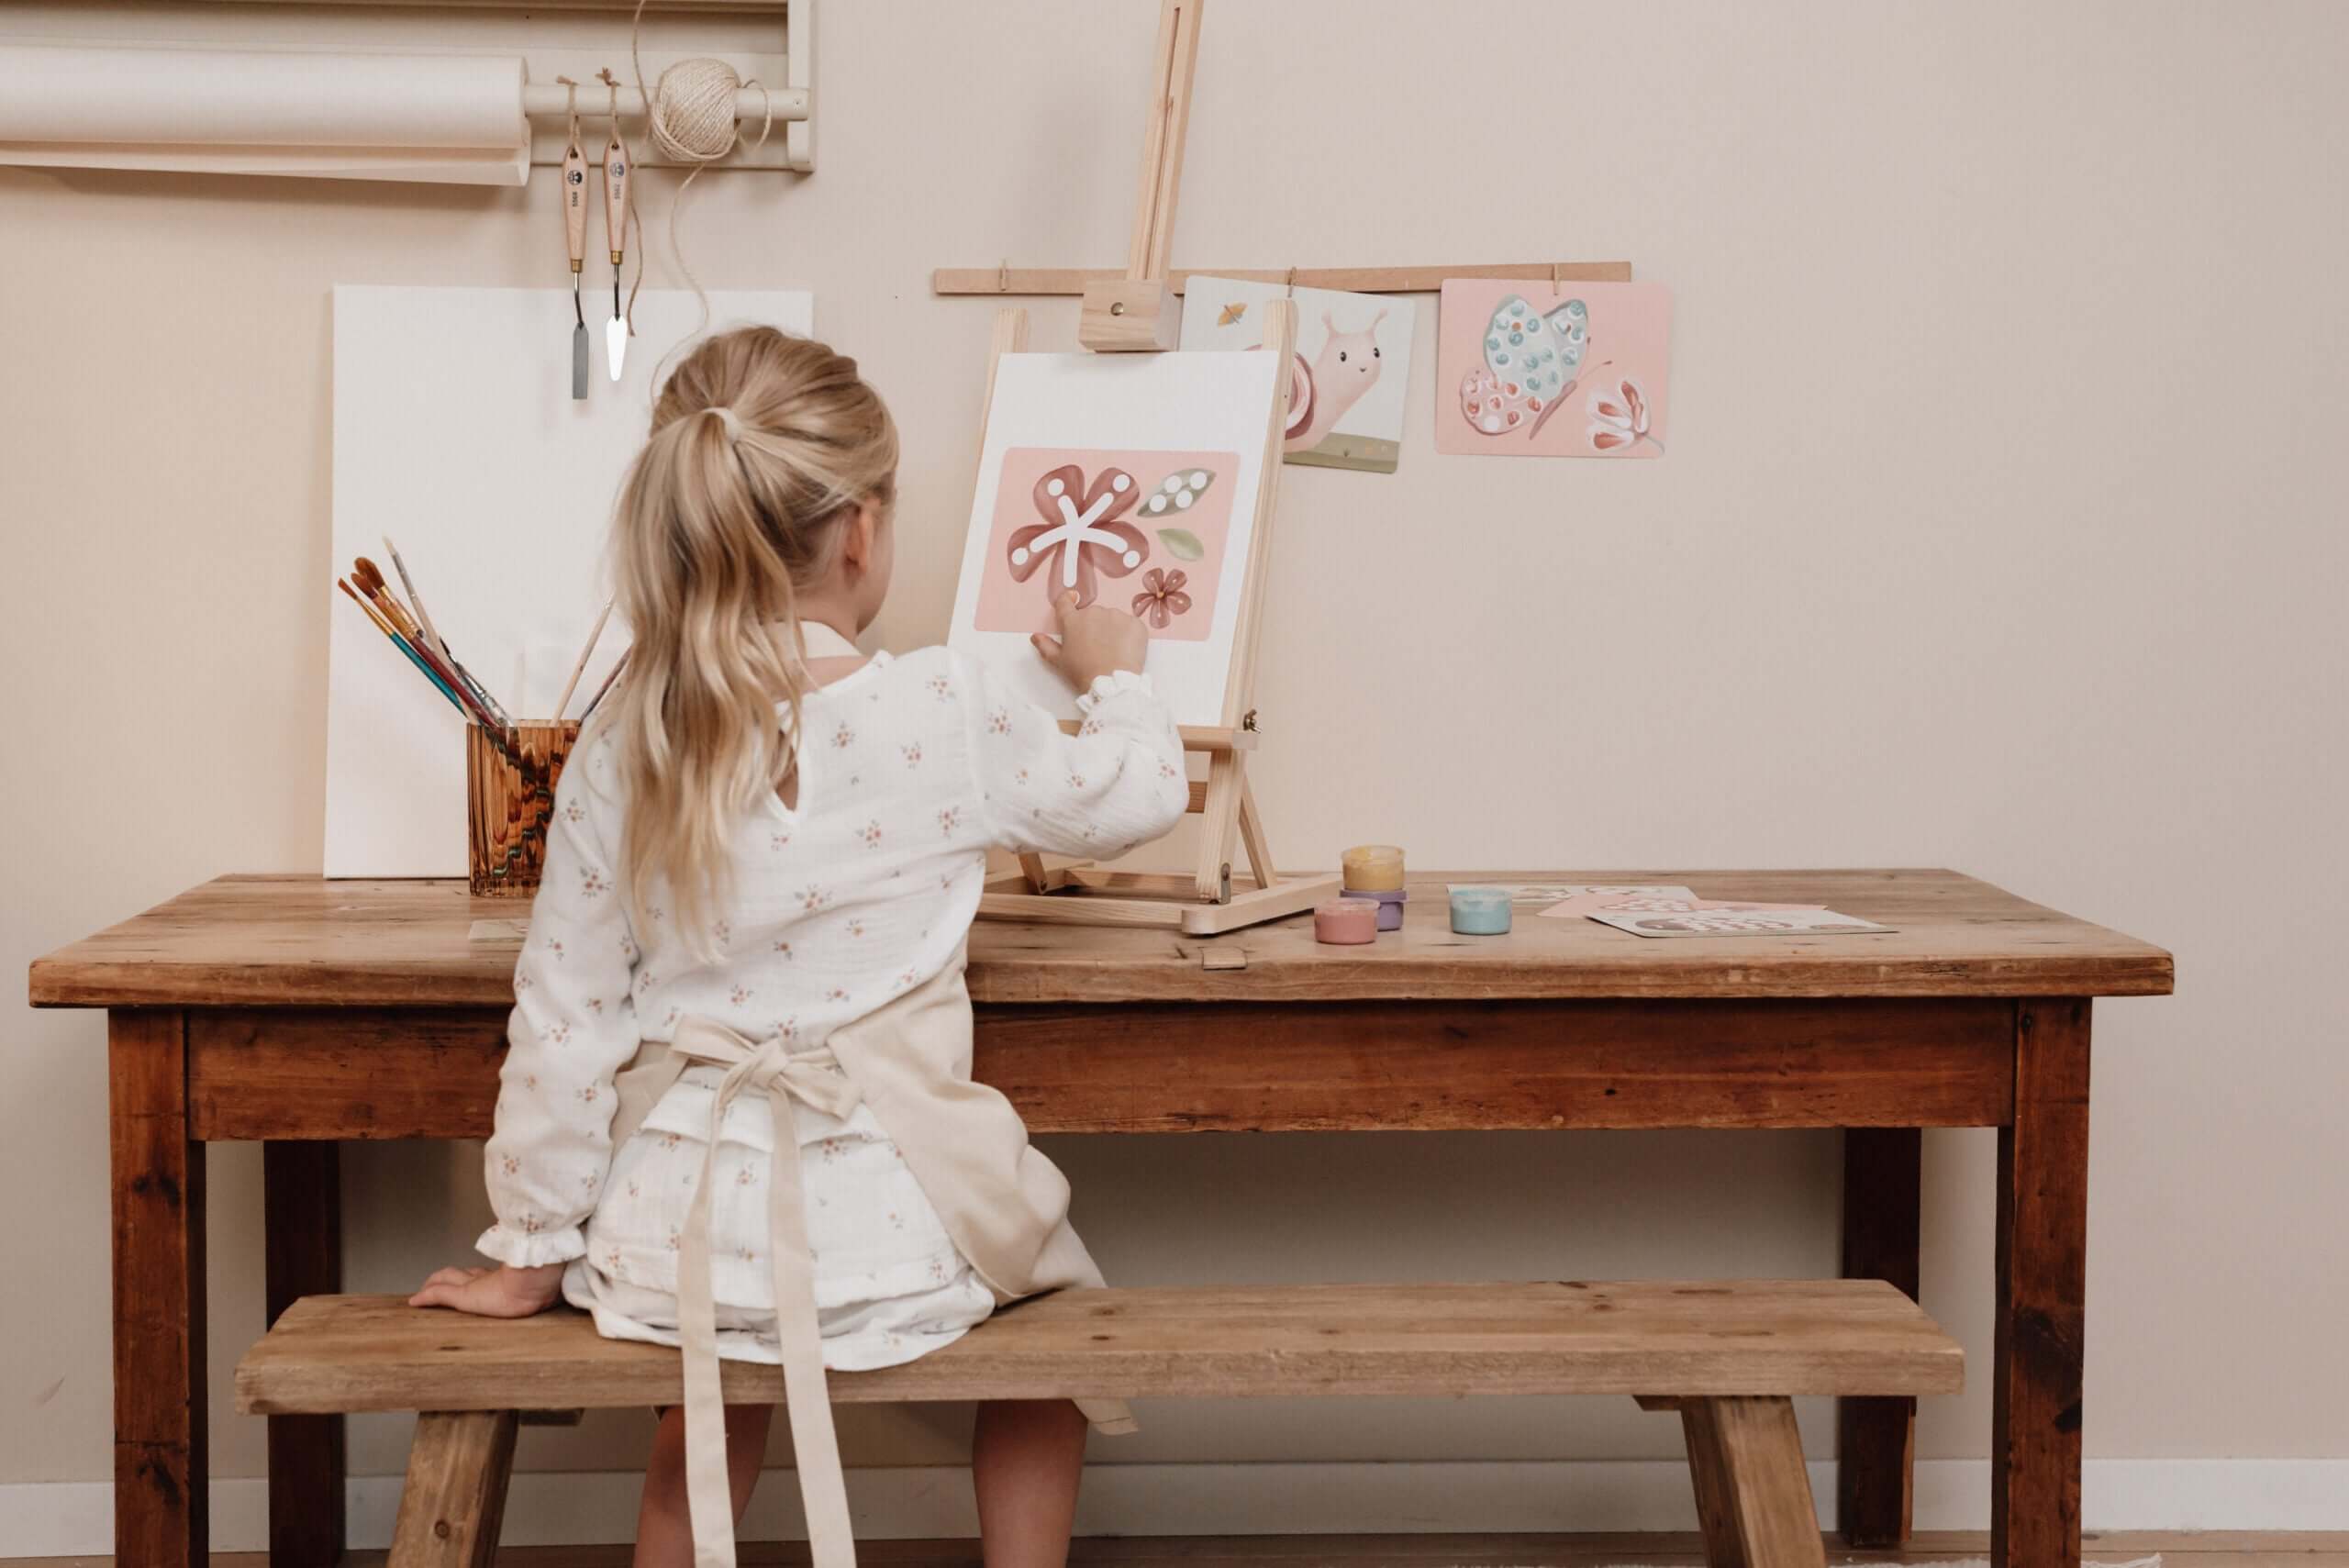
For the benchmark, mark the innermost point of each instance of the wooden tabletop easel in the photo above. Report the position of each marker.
(1139, 313)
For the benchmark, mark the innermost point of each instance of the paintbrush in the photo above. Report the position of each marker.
(440, 643)
(610, 682)
(580, 668)
(375, 590)
(371, 581)
(401, 643)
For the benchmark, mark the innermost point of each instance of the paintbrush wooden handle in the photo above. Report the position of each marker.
(575, 203)
(616, 178)
(580, 668)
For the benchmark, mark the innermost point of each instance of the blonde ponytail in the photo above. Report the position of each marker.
(762, 446)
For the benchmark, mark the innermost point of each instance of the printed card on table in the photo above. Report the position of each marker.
(1552, 892)
(1349, 377)
(1739, 920)
(1538, 370)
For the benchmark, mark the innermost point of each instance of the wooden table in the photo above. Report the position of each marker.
(302, 1012)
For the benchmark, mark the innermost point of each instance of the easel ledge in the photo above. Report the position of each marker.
(1011, 279)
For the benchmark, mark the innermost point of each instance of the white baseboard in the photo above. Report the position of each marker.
(574, 1507)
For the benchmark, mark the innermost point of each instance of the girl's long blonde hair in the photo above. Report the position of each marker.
(762, 446)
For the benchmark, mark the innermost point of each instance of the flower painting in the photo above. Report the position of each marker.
(1544, 370)
(1141, 531)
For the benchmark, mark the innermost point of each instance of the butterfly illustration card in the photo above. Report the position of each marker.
(1349, 377)
(1533, 369)
(1130, 481)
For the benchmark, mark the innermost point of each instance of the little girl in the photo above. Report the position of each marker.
(736, 1112)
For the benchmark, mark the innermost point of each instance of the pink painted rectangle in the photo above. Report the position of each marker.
(1144, 532)
(1537, 369)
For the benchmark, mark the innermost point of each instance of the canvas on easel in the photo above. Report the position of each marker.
(1131, 480)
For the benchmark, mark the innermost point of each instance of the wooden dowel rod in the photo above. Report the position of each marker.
(1007, 280)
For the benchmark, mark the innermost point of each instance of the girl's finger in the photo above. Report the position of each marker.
(1048, 648)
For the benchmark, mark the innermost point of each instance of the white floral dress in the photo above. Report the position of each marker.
(913, 768)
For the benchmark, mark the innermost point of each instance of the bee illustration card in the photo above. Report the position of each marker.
(1350, 373)
(1533, 369)
(1130, 480)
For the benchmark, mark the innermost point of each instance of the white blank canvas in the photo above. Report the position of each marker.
(1158, 402)
(456, 434)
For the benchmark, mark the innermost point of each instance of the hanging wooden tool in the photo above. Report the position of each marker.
(1136, 313)
(575, 234)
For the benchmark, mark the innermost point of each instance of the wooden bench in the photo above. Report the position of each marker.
(1727, 1355)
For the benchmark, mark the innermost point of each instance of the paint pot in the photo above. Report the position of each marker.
(1345, 921)
(1480, 911)
(1373, 868)
(1390, 905)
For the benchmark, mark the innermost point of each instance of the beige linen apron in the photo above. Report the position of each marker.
(1003, 1204)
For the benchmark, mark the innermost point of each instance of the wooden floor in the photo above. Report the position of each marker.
(2214, 1550)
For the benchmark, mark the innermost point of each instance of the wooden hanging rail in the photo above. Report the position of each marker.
(1011, 279)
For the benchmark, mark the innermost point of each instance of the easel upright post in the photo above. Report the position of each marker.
(1139, 313)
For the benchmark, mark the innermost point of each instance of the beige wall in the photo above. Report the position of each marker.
(2003, 518)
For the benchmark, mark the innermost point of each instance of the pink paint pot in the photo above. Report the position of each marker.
(1389, 901)
(1345, 921)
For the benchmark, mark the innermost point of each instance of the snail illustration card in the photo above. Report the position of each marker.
(1130, 480)
(1350, 373)
(1538, 370)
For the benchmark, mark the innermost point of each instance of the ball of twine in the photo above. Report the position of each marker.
(693, 110)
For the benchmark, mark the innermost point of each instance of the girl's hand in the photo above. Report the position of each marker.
(1094, 641)
(505, 1292)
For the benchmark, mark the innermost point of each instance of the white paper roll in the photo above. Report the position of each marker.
(444, 117)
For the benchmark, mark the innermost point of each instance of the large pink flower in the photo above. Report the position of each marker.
(1161, 598)
(1080, 538)
(1618, 417)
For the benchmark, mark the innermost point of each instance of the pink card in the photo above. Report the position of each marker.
(1141, 531)
(1538, 370)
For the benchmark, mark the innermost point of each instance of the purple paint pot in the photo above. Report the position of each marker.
(1389, 901)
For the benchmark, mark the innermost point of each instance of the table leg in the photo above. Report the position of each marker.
(302, 1210)
(1875, 1439)
(162, 1501)
(2043, 1288)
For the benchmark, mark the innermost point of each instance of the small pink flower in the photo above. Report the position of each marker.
(724, 930)
(510, 1165)
(739, 995)
(784, 948)
(1618, 417)
(949, 819)
(555, 947)
(557, 1034)
(836, 995)
(777, 840)
(843, 737)
(941, 688)
(913, 755)
(593, 883)
(999, 722)
(1090, 726)
(856, 928)
(1161, 598)
(575, 812)
(870, 835)
(595, 1006)
(814, 897)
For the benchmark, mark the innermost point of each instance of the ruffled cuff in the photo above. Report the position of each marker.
(1117, 683)
(533, 1251)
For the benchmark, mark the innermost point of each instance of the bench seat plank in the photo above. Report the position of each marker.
(1691, 1338)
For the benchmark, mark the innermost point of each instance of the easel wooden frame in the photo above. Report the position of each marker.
(1138, 313)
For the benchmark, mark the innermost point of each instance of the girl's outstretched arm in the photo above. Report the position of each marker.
(1117, 781)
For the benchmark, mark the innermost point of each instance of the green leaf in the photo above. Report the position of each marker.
(1182, 544)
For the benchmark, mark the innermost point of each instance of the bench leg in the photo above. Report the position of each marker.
(455, 1497)
(1753, 1493)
